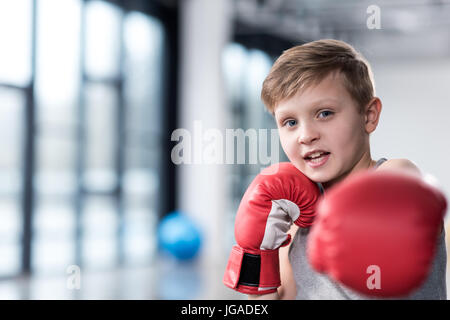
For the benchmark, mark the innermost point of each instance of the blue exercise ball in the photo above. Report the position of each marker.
(179, 236)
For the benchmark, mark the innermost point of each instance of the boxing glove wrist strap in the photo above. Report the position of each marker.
(253, 273)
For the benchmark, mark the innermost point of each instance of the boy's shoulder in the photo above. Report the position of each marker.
(408, 166)
(402, 164)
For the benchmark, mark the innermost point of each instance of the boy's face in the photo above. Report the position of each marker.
(323, 118)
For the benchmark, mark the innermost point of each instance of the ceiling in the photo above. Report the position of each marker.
(407, 28)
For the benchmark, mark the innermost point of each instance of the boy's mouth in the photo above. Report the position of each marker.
(315, 154)
(316, 158)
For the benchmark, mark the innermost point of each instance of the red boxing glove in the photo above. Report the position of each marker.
(269, 206)
(376, 232)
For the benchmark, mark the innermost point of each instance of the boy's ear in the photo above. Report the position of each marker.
(372, 114)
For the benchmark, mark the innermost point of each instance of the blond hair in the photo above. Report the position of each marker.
(305, 65)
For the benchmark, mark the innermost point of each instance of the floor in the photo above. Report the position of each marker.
(163, 280)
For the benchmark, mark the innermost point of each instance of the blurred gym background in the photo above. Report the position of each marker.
(91, 92)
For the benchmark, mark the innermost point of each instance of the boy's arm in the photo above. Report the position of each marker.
(398, 215)
(288, 289)
(278, 197)
(269, 296)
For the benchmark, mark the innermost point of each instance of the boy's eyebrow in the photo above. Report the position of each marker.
(320, 101)
(309, 106)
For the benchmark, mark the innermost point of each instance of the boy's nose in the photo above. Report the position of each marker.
(307, 134)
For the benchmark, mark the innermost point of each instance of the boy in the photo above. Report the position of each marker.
(323, 100)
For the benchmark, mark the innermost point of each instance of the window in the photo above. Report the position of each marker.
(88, 76)
(15, 74)
(11, 177)
(245, 70)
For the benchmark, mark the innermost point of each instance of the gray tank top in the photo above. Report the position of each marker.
(316, 286)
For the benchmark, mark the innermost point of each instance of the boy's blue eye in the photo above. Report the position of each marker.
(291, 123)
(326, 114)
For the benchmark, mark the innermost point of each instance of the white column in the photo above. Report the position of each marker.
(202, 188)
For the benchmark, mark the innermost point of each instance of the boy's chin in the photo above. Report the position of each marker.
(322, 176)
(319, 177)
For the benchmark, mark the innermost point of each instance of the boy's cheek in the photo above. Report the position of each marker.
(287, 147)
(293, 155)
